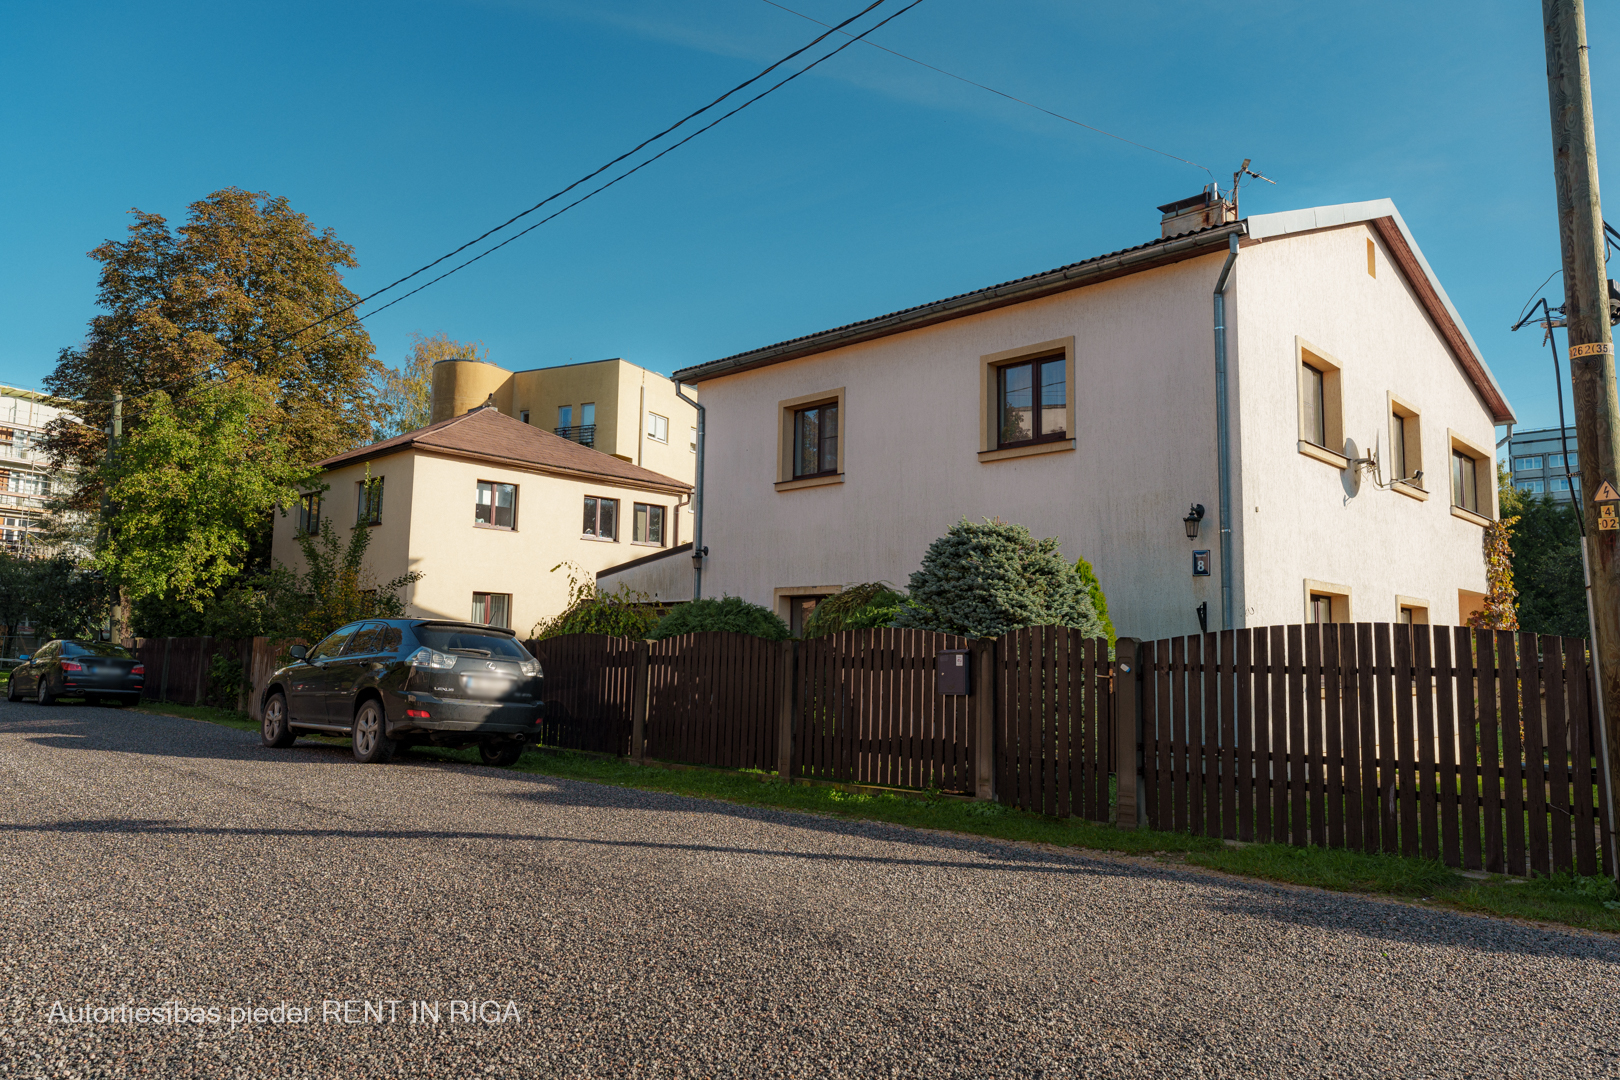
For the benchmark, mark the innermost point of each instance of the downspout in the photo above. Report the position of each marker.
(699, 552)
(1223, 437)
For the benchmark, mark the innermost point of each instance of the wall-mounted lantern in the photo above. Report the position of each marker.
(1192, 520)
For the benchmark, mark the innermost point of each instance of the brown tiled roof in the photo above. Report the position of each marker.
(487, 434)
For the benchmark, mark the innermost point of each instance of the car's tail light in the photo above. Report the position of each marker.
(428, 658)
(138, 669)
(417, 714)
(530, 667)
(69, 665)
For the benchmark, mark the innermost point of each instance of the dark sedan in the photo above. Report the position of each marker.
(392, 683)
(97, 671)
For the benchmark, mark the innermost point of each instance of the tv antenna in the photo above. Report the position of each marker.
(1242, 171)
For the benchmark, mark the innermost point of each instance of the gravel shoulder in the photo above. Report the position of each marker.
(148, 859)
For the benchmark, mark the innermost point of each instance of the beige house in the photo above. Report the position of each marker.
(1353, 438)
(484, 506)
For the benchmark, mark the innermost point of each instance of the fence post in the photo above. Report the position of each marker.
(640, 697)
(984, 719)
(1127, 730)
(163, 691)
(784, 711)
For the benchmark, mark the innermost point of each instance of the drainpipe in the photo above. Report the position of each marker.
(1223, 437)
(699, 552)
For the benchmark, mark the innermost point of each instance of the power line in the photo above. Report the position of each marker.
(218, 365)
(999, 93)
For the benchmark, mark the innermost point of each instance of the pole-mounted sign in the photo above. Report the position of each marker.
(1608, 507)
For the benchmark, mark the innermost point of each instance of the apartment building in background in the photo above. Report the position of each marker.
(1536, 459)
(1083, 403)
(27, 480)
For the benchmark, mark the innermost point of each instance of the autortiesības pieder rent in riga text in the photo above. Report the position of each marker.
(176, 1012)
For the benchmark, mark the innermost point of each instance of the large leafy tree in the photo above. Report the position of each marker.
(189, 489)
(225, 295)
(405, 393)
(1546, 561)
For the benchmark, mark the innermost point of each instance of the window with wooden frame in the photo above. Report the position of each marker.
(1405, 462)
(601, 518)
(1472, 480)
(368, 501)
(1032, 402)
(810, 440)
(1410, 611)
(647, 524)
(492, 609)
(1321, 423)
(1326, 602)
(496, 506)
(309, 514)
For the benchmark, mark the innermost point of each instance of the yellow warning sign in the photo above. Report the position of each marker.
(1606, 494)
(1608, 520)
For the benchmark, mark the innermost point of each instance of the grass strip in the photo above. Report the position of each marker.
(1565, 899)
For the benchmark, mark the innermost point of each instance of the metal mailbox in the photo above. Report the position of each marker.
(953, 667)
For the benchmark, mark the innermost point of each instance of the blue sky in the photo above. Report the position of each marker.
(869, 185)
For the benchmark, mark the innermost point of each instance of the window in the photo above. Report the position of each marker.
(658, 428)
(368, 501)
(1321, 425)
(1405, 444)
(364, 639)
(492, 609)
(587, 414)
(1555, 461)
(1410, 611)
(647, 524)
(1575, 461)
(1326, 602)
(1535, 487)
(1372, 259)
(815, 441)
(524, 416)
(1522, 463)
(565, 416)
(694, 440)
(497, 505)
(309, 514)
(1560, 483)
(601, 518)
(1312, 410)
(459, 639)
(1464, 481)
(1032, 403)
(333, 643)
(1321, 608)
(800, 609)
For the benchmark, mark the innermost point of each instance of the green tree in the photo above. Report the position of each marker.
(225, 294)
(731, 613)
(621, 613)
(982, 579)
(188, 491)
(66, 599)
(1098, 600)
(405, 393)
(1546, 545)
(855, 607)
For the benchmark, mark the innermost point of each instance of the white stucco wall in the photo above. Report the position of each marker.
(1301, 518)
(1145, 451)
(428, 525)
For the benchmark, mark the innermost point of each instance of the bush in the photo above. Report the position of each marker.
(1098, 600)
(858, 607)
(983, 579)
(226, 682)
(731, 613)
(621, 613)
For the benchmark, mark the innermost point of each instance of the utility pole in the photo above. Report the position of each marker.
(1591, 348)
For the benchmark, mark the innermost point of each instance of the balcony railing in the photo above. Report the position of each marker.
(584, 434)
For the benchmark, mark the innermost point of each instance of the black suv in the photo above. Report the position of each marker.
(392, 683)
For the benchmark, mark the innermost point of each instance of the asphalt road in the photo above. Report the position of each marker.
(147, 861)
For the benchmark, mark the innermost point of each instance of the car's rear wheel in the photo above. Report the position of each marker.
(273, 728)
(500, 754)
(372, 746)
(43, 695)
(12, 693)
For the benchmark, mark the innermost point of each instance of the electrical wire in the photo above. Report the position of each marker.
(1009, 97)
(219, 365)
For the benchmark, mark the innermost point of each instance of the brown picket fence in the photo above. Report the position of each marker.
(1054, 722)
(713, 700)
(1473, 747)
(588, 690)
(868, 711)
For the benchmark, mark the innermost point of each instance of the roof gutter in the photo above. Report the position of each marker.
(1076, 276)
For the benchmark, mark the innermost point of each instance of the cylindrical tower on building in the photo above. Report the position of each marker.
(460, 385)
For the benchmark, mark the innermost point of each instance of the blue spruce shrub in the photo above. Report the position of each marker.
(982, 579)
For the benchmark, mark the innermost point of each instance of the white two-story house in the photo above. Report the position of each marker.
(1345, 472)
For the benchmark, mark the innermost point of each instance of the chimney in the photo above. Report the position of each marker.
(1201, 211)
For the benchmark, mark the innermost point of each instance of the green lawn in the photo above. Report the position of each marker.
(1565, 899)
